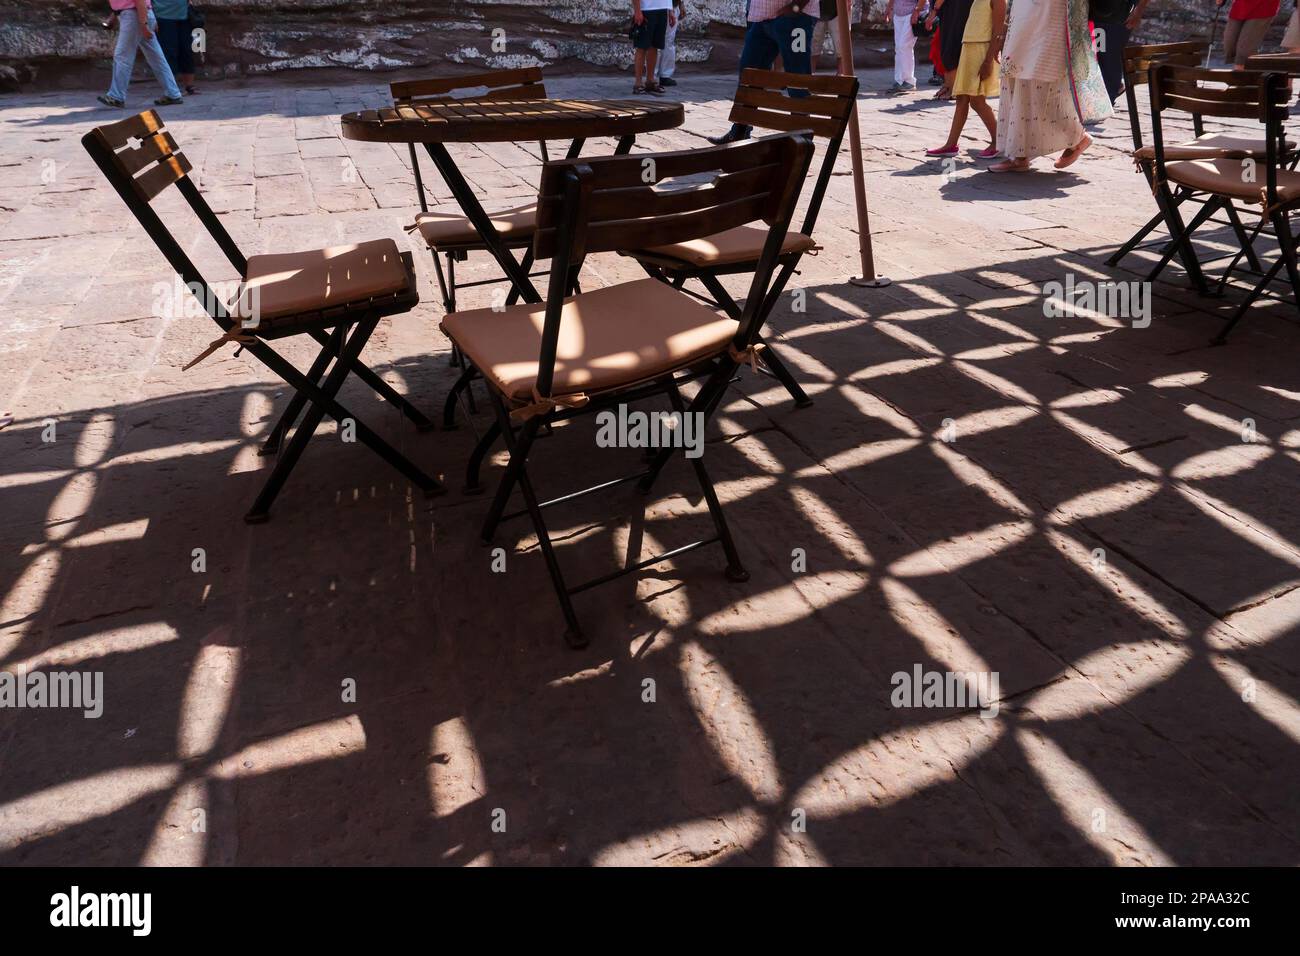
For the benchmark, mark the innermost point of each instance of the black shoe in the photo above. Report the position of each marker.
(733, 135)
(667, 81)
(109, 101)
(168, 101)
(935, 78)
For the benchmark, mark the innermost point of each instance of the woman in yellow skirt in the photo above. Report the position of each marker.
(977, 77)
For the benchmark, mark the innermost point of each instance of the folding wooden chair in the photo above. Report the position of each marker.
(769, 100)
(1243, 95)
(1138, 60)
(452, 234)
(575, 355)
(321, 293)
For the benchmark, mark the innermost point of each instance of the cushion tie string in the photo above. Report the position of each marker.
(543, 404)
(748, 356)
(233, 334)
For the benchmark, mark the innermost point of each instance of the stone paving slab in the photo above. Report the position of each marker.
(1101, 514)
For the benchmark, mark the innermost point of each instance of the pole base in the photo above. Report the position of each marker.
(879, 282)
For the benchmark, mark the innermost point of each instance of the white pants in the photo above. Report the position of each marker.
(668, 55)
(904, 51)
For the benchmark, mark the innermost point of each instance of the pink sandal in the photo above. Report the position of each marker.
(942, 151)
(990, 153)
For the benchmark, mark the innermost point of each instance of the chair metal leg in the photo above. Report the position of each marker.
(384, 390)
(1247, 243)
(475, 464)
(518, 446)
(1282, 226)
(526, 264)
(275, 439)
(323, 402)
(1134, 242)
(449, 406)
(1182, 241)
(451, 282)
(705, 400)
(782, 374)
(447, 301)
(735, 569)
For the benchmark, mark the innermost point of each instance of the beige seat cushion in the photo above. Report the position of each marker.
(1227, 177)
(439, 229)
(1212, 146)
(609, 337)
(741, 244)
(290, 283)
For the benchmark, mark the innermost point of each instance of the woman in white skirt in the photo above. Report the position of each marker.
(1051, 84)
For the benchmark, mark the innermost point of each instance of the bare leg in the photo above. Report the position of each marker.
(959, 114)
(985, 112)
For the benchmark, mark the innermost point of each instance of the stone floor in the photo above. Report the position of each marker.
(1102, 514)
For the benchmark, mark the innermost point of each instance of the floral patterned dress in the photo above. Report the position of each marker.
(1051, 83)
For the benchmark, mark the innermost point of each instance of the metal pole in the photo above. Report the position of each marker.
(844, 45)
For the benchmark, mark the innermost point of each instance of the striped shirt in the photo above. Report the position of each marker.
(760, 10)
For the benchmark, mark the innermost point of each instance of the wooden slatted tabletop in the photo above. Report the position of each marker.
(499, 121)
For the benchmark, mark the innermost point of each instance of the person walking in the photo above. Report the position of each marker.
(176, 39)
(137, 30)
(1051, 84)
(903, 14)
(1113, 21)
(977, 75)
(775, 28)
(668, 56)
(1248, 21)
(650, 28)
(828, 29)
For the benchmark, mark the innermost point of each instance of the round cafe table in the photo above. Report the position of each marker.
(503, 121)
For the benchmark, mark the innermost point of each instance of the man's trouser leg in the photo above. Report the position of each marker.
(668, 56)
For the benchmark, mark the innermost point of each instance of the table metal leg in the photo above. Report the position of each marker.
(473, 210)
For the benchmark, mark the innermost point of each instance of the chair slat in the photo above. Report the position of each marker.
(154, 181)
(156, 147)
(762, 100)
(1138, 58)
(815, 105)
(623, 212)
(142, 125)
(523, 83)
(832, 83)
(640, 233)
(616, 201)
(785, 122)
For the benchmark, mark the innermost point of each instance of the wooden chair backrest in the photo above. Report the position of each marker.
(631, 202)
(144, 152)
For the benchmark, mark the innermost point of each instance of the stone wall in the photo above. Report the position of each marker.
(60, 43)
